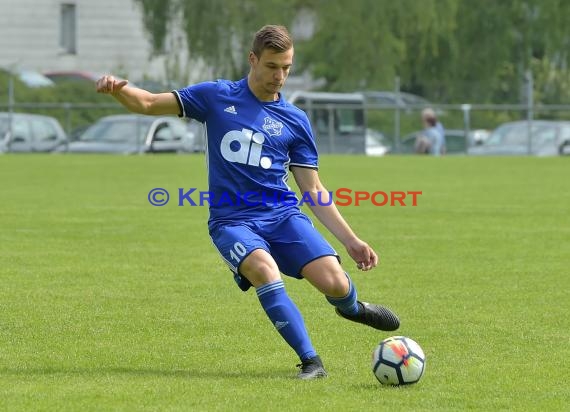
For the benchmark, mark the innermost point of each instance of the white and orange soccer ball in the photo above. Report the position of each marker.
(398, 360)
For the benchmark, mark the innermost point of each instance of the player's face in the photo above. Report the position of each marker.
(269, 72)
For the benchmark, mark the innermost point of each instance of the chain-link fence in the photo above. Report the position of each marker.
(394, 123)
(400, 126)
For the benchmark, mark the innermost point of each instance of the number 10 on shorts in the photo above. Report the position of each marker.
(237, 252)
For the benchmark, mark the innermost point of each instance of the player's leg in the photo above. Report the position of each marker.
(247, 255)
(301, 251)
(262, 271)
(326, 274)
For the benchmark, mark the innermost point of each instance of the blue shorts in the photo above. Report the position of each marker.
(292, 241)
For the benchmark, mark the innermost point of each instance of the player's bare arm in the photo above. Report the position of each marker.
(138, 100)
(309, 182)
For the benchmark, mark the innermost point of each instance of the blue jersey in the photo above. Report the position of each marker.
(250, 146)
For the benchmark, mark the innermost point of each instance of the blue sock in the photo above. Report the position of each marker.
(286, 318)
(348, 303)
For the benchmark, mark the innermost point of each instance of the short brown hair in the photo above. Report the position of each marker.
(272, 37)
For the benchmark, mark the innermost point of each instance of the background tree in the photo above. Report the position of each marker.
(500, 41)
(446, 50)
(367, 45)
(218, 32)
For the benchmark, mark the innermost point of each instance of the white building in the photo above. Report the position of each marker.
(101, 36)
(105, 36)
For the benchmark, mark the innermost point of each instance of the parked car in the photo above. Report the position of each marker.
(76, 76)
(71, 75)
(26, 132)
(479, 136)
(376, 143)
(132, 133)
(337, 119)
(30, 78)
(403, 100)
(199, 136)
(549, 138)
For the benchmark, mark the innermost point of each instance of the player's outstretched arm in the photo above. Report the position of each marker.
(138, 100)
(328, 214)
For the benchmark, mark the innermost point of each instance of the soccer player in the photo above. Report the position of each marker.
(254, 137)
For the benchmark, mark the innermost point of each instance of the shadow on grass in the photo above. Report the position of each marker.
(374, 386)
(150, 372)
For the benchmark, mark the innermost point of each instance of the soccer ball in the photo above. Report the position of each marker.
(398, 360)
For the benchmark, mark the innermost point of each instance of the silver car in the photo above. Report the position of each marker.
(26, 132)
(131, 133)
(549, 138)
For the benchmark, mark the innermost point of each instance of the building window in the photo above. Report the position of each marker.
(67, 31)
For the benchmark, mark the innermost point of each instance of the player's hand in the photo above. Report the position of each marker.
(362, 254)
(110, 85)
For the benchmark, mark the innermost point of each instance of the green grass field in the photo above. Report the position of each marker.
(108, 303)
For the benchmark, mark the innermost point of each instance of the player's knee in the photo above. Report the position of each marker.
(334, 284)
(327, 276)
(338, 287)
(259, 269)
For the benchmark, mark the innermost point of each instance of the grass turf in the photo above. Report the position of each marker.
(108, 303)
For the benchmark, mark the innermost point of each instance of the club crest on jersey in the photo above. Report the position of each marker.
(272, 127)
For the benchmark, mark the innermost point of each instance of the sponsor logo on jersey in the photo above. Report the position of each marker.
(244, 147)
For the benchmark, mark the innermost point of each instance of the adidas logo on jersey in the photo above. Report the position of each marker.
(230, 109)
